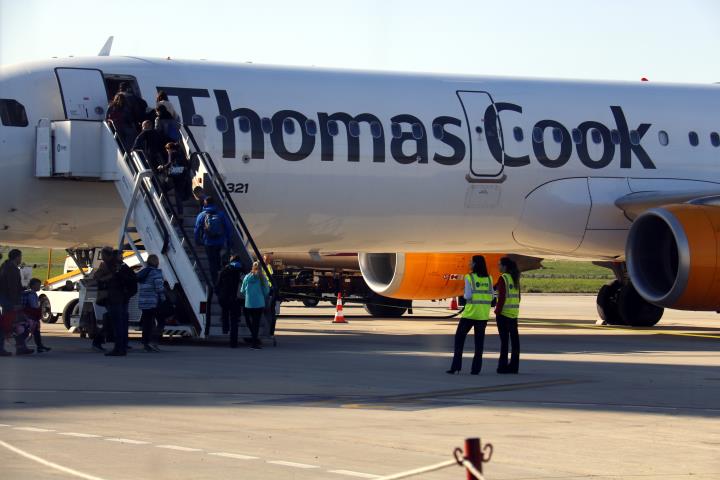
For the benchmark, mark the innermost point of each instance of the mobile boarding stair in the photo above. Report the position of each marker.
(92, 151)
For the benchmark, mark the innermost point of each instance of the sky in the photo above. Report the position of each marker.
(663, 40)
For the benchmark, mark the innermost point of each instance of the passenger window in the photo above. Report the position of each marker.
(396, 130)
(289, 126)
(615, 137)
(221, 123)
(266, 124)
(479, 130)
(376, 129)
(354, 128)
(596, 136)
(663, 138)
(694, 140)
(417, 131)
(518, 134)
(557, 135)
(715, 139)
(634, 137)
(13, 113)
(537, 135)
(244, 124)
(311, 127)
(332, 128)
(576, 136)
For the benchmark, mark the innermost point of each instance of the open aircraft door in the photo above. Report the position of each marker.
(83, 93)
(485, 139)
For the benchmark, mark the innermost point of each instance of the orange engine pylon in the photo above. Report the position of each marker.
(339, 315)
(453, 304)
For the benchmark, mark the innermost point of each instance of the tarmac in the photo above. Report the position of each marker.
(371, 398)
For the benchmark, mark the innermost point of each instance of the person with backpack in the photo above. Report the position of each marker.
(213, 230)
(165, 123)
(177, 170)
(11, 302)
(151, 295)
(228, 292)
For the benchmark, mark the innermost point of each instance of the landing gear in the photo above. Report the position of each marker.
(379, 306)
(620, 304)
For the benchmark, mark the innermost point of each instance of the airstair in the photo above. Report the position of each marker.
(93, 151)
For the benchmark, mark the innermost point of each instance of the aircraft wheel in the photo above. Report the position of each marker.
(46, 309)
(607, 303)
(635, 310)
(311, 302)
(72, 308)
(387, 307)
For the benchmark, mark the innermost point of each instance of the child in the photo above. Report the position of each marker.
(33, 314)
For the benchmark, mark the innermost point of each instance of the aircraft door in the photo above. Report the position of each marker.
(484, 134)
(83, 93)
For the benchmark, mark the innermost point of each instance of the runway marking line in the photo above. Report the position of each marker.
(380, 402)
(126, 440)
(5, 425)
(179, 448)
(350, 473)
(620, 328)
(79, 435)
(48, 463)
(236, 456)
(292, 464)
(33, 429)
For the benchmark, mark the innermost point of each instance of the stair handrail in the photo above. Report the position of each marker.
(138, 163)
(225, 199)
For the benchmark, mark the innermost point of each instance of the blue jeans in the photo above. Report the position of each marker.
(120, 323)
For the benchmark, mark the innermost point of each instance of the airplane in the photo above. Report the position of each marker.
(416, 172)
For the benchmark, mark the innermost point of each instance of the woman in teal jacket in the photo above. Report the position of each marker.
(255, 290)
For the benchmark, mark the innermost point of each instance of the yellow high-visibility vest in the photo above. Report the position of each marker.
(511, 307)
(478, 307)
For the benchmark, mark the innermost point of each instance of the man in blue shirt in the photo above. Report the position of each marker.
(213, 230)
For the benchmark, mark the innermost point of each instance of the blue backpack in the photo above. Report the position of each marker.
(214, 225)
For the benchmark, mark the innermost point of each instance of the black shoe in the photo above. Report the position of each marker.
(43, 348)
(452, 371)
(24, 351)
(475, 373)
(115, 353)
(155, 348)
(148, 349)
(5, 353)
(98, 348)
(256, 346)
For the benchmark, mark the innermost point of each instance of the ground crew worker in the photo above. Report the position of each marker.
(506, 314)
(479, 296)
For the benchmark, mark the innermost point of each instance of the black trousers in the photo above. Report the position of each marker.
(464, 326)
(231, 318)
(252, 317)
(147, 320)
(508, 330)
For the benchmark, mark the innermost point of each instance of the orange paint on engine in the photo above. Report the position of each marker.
(702, 228)
(439, 275)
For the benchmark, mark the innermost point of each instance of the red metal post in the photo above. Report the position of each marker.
(474, 455)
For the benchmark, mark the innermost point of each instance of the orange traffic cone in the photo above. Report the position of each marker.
(339, 316)
(453, 304)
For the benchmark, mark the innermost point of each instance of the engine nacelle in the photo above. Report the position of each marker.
(673, 256)
(420, 276)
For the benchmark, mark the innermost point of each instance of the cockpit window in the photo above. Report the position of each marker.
(12, 113)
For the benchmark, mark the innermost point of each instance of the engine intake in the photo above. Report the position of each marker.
(672, 255)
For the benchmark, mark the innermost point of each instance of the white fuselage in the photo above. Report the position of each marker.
(570, 149)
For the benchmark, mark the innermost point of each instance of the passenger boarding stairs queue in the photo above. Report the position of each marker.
(93, 151)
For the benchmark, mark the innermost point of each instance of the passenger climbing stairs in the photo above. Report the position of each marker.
(93, 151)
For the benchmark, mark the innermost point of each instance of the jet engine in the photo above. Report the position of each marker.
(673, 256)
(423, 276)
